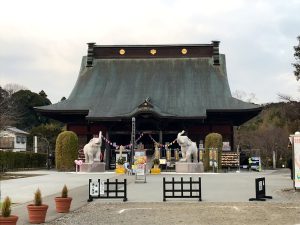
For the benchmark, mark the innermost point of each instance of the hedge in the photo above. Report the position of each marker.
(10, 161)
(213, 140)
(66, 151)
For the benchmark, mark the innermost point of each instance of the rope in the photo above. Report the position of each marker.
(141, 135)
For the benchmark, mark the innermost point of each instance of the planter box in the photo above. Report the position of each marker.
(120, 170)
(155, 171)
(63, 204)
(37, 214)
(11, 220)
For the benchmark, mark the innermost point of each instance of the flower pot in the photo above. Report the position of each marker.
(155, 171)
(156, 166)
(120, 169)
(63, 204)
(37, 214)
(11, 220)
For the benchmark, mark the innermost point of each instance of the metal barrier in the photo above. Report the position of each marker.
(184, 192)
(102, 189)
(260, 190)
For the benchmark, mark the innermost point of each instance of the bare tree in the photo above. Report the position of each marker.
(13, 88)
(242, 95)
(285, 98)
(8, 114)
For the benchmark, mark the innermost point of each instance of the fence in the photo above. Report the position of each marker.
(186, 189)
(103, 189)
(260, 190)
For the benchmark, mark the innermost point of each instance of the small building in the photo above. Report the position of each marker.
(13, 139)
(166, 88)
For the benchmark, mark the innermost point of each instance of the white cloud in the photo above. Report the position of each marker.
(42, 42)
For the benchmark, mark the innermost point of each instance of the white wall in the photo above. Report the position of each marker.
(20, 140)
(20, 143)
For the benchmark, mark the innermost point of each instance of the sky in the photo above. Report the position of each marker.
(42, 42)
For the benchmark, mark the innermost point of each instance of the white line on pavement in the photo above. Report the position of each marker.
(123, 210)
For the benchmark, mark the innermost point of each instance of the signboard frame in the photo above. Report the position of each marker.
(295, 139)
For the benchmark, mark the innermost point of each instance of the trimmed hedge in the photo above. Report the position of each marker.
(213, 140)
(66, 151)
(10, 161)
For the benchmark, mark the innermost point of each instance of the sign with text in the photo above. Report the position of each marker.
(296, 144)
(101, 187)
(94, 188)
(230, 159)
(140, 171)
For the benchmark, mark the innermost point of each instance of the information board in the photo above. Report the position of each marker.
(140, 170)
(296, 144)
(101, 187)
(94, 189)
(230, 159)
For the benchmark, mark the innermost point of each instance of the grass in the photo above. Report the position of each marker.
(8, 176)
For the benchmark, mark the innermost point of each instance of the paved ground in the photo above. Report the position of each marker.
(225, 200)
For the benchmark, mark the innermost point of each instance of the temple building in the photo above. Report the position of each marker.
(166, 88)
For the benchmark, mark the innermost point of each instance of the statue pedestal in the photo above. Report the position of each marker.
(92, 167)
(185, 167)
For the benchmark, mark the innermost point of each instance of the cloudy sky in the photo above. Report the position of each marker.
(42, 42)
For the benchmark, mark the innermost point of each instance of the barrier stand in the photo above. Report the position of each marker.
(140, 173)
(102, 189)
(260, 190)
(192, 191)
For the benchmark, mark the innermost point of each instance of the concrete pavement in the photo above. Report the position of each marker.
(221, 187)
(21, 191)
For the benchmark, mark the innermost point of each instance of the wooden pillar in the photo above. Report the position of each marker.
(160, 140)
(231, 138)
(160, 137)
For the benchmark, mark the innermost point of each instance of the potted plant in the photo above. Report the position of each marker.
(120, 168)
(156, 169)
(6, 218)
(37, 211)
(156, 163)
(63, 202)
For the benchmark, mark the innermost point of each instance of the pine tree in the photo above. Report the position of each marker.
(297, 57)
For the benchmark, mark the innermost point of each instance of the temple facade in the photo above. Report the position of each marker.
(166, 88)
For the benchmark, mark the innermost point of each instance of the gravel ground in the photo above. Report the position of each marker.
(283, 209)
(255, 213)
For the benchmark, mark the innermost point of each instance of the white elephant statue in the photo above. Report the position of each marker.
(93, 149)
(188, 148)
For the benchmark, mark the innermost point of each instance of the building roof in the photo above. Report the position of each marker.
(168, 86)
(15, 130)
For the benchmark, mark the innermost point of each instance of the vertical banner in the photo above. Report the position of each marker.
(296, 143)
(200, 155)
(210, 157)
(176, 155)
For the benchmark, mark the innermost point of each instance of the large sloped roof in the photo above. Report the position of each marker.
(168, 87)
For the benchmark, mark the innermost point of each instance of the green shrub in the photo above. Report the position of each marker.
(212, 140)
(10, 161)
(66, 150)
(38, 197)
(120, 161)
(64, 192)
(6, 207)
(156, 161)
